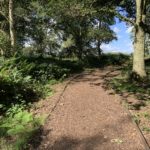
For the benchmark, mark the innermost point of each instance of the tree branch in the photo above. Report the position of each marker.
(3, 15)
(117, 14)
(123, 18)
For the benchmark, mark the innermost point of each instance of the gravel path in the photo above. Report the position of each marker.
(89, 118)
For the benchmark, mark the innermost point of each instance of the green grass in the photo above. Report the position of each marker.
(136, 118)
(147, 129)
(146, 115)
(140, 90)
(124, 84)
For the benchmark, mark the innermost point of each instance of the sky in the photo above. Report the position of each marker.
(124, 42)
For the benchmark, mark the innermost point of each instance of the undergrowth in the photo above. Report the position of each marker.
(123, 85)
(126, 85)
(17, 127)
(22, 82)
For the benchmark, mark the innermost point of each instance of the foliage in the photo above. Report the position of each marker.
(141, 90)
(18, 126)
(125, 85)
(85, 26)
(136, 119)
(115, 59)
(28, 79)
(106, 59)
(24, 80)
(16, 86)
(147, 129)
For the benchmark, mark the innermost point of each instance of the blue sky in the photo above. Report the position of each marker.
(124, 42)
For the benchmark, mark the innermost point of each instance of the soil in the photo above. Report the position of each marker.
(85, 116)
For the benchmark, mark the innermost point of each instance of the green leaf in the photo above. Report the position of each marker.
(16, 130)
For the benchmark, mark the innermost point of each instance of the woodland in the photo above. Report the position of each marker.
(44, 42)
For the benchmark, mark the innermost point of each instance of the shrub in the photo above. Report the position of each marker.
(17, 84)
(18, 126)
(114, 59)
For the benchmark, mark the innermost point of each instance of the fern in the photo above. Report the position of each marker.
(19, 124)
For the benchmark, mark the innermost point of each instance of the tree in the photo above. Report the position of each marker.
(78, 18)
(11, 24)
(101, 33)
(139, 42)
(4, 33)
(134, 12)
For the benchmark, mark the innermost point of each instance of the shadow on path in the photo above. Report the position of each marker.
(67, 143)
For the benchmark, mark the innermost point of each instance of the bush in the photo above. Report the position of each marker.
(17, 127)
(114, 59)
(16, 86)
(27, 79)
(106, 59)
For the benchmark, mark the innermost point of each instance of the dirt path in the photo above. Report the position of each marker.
(89, 118)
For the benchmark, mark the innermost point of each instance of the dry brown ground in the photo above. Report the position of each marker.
(87, 118)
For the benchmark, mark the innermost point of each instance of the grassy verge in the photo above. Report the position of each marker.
(125, 85)
(135, 95)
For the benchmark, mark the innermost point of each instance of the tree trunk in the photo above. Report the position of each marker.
(11, 24)
(79, 44)
(138, 57)
(80, 53)
(99, 41)
(139, 44)
(99, 48)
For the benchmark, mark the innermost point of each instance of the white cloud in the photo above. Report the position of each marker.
(112, 49)
(116, 30)
(106, 47)
(129, 29)
(109, 48)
